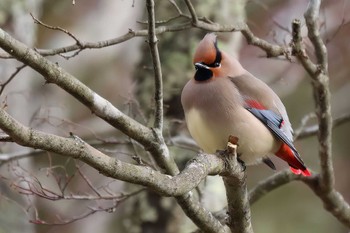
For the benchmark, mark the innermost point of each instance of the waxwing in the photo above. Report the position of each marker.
(224, 99)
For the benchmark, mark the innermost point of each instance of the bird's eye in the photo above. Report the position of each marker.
(217, 64)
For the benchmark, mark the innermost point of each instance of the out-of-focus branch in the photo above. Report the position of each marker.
(6, 158)
(313, 129)
(37, 21)
(5, 138)
(192, 11)
(13, 75)
(92, 210)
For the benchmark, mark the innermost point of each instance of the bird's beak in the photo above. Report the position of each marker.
(199, 65)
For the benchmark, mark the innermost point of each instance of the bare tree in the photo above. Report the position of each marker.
(156, 169)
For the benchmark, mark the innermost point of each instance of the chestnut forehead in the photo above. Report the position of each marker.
(206, 52)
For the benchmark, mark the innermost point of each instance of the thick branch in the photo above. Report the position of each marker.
(184, 182)
(273, 182)
(239, 219)
(179, 185)
(55, 74)
(151, 140)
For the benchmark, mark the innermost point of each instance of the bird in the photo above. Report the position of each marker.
(224, 99)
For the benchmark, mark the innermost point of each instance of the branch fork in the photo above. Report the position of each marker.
(234, 178)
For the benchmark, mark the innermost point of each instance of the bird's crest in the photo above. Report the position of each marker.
(207, 51)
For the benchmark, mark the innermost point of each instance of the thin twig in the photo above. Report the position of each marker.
(342, 24)
(106, 43)
(109, 209)
(192, 11)
(313, 129)
(4, 84)
(176, 7)
(37, 21)
(5, 138)
(158, 79)
(6, 158)
(88, 182)
(311, 18)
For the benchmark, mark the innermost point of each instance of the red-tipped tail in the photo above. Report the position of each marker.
(305, 172)
(296, 164)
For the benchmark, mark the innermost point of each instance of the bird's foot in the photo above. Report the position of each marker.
(244, 167)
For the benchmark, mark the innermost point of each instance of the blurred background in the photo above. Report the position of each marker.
(123, 75)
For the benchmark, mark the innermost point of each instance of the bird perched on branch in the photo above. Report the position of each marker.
(224, 99)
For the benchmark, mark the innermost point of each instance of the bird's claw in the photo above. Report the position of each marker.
(244, 167)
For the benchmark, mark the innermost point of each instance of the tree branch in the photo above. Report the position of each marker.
(320, 83)
(311, 18)
(189, 178)
(151, 140)
(193, 209)
(270, 49)
(323, 184)
(313, 129)
(106, 43)
(271, 183)
(5, 138)
(192, 12)
(192, 175)
(13, 75)
(239, 219)
(55, 74)
(6, 158)
(333, 201)
(152, 41)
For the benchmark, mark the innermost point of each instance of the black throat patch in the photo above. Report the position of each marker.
(203, 74)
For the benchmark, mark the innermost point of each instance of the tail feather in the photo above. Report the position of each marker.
(296, 165)
(296, 171)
